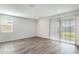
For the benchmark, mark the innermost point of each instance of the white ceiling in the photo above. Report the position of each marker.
(36, 10)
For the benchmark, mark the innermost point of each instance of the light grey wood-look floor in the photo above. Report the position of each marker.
(37, 46)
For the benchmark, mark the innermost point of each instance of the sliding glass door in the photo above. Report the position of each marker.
(67, 33)
(63, 29)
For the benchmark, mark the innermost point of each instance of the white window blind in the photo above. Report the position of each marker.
(7, 25)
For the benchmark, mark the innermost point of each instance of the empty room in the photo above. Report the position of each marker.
(39, 28)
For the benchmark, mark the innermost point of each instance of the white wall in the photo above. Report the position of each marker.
(23, 28)
(43, 28)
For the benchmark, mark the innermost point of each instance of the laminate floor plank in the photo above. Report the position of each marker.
(37, 45)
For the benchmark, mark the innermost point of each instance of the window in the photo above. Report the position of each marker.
(7, 26)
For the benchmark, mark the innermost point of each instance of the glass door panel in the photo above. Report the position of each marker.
(63, 30)
(67, 32)
(54, 29)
